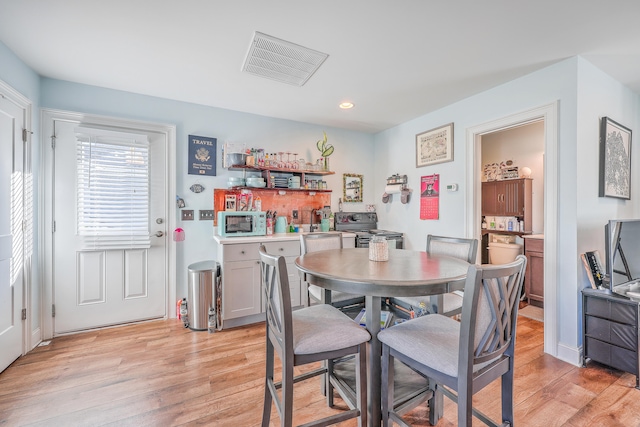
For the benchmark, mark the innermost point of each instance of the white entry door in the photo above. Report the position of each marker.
(12, 119)
(95, 284)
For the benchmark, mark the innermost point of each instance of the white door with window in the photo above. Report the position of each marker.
(13, 225)
(109, 259)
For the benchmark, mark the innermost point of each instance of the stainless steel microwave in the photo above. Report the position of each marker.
(242, 223)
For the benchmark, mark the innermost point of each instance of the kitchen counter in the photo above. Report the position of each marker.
(275, 237)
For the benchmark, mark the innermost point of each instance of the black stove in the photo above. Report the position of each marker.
(364, 224)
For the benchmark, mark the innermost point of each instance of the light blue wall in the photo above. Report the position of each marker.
(23, 79)
(18, 75)
(584, 93)
(600, 95)
(353, 153)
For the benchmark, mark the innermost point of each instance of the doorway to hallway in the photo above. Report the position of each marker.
(548, 115)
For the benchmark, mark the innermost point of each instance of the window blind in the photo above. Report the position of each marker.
(112, 190)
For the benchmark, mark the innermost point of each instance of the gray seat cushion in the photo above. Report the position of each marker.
(322, 328)
(431, 340)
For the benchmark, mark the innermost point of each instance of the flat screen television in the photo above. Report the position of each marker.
(622, 251)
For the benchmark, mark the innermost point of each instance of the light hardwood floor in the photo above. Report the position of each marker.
(160, 374)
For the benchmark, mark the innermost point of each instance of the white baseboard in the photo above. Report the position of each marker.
(569, 354)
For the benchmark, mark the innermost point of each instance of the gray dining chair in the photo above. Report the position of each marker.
(449, 304)
(463, 356)
(321, 242)
(304, 336)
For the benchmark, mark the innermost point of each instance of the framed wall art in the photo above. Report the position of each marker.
(202, 155)
(434, 146)
(352, 187)
(615, 160)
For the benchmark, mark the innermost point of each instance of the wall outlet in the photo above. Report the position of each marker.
(294, 214)
(206, 215)
(187, 214)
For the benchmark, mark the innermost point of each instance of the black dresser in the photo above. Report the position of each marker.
(610, 330)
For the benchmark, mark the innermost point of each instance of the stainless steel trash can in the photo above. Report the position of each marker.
(204, 282)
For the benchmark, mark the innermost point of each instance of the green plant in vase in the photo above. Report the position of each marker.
(325, 149)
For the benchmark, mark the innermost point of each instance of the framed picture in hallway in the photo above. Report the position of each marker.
(434, 146)
(615, 160)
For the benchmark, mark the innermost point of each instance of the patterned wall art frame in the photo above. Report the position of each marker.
(615, 160)
(434, 146)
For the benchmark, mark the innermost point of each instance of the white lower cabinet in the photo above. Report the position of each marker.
(240, 280)
(241, 286)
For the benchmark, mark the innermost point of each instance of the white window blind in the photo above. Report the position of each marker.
(112, 189)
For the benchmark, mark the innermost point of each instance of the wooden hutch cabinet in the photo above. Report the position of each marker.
(508, 198)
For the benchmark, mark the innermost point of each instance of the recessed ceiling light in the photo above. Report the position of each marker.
(346, 105)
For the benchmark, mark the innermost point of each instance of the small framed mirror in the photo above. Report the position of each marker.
(352, 187)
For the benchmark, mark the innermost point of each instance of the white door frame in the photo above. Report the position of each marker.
(548, 113)
(46, 201)
(25, 104)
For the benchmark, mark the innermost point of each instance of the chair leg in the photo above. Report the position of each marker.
(286, 417)
(436, 403)
(465, 405)
(361, 384)
(387, 384)
(327, 382)
(266, 409)
(507, 396)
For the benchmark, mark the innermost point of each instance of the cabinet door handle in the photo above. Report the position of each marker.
(242, 252)
(281, 249)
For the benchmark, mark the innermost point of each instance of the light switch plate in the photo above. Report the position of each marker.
(187, 214)
(206, 215)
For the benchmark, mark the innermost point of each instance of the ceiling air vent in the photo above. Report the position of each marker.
(281, 60)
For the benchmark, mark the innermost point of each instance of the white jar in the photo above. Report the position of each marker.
(378, 249)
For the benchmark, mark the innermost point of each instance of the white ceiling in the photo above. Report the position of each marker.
(396, 60)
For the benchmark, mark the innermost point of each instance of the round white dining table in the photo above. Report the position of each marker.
(406, 273)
